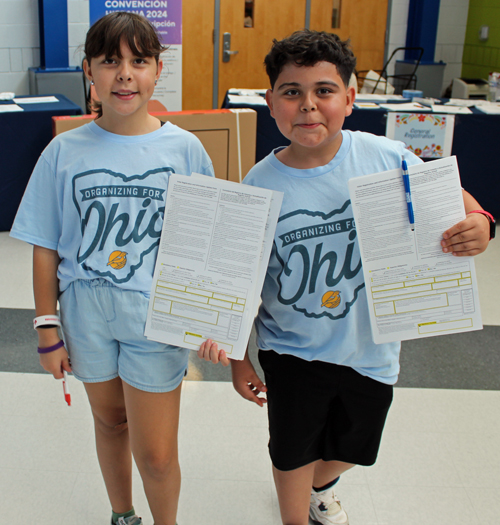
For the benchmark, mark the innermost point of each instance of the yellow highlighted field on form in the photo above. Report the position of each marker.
(429, 328)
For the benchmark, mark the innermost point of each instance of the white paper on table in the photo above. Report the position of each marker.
(408, 106)
(366, 105)
(465, 102)
(452, 110)
(491, 108)
(246, 92)
(242, 99)
(374, 97)
(414, 290)
(36, 100)
(10, 108)
(212, 259)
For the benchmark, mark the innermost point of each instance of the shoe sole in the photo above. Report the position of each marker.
(319, 522)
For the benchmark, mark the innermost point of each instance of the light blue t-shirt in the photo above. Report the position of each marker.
(314, 302)
(99, 198)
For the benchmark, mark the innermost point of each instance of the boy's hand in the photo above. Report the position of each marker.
(246, 381)
(210, 352)
(468, 237)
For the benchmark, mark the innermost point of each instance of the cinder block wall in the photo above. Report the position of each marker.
(20, 43)
(482, 57)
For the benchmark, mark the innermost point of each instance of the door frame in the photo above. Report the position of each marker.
(215, 80)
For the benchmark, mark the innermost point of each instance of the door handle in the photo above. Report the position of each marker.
(226, 48)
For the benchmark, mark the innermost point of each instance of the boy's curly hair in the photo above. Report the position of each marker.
(307, 48)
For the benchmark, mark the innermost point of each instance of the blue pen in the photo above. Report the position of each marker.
(406, 181)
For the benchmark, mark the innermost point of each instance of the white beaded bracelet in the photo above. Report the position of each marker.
(46, 320)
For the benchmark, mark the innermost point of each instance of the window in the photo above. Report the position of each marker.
(249, 7)
(336, 14)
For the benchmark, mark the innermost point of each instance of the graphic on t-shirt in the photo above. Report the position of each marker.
(331, 299)
(121, 219)
(117, 259)
(321, 264)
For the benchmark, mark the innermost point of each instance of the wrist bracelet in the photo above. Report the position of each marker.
(51, 348)
(490, 218)
(483, 212)
(46, 320)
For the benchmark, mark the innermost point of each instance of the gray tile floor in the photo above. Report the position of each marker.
(439, 462)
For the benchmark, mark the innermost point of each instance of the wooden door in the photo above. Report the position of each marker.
(363, 21)
(197, 53)
(271, 19)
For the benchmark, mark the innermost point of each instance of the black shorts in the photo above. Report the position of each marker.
(322, 411)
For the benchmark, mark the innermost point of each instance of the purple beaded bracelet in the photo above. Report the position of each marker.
(51, 348)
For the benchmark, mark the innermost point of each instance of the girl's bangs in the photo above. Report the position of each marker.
(139, 36)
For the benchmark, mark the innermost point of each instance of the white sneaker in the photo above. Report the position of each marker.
(325, 509)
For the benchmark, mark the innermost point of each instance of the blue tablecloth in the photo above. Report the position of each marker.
(476, 138)
(23, 136)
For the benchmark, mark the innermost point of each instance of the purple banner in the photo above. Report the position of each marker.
(165, 15)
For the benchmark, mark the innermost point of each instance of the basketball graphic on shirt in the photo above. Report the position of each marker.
(331, 299)
(117, 259)
(319, 272)
(121, 217)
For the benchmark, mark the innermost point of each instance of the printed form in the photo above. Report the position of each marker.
(212, 259)
(414, 290)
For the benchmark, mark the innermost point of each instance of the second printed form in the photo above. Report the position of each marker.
(414, 289)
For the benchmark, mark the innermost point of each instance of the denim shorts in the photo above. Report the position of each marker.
(103, 328)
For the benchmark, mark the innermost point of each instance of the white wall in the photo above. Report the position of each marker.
(450, 39)
(19, 40)
(78, 25)
(20, 43)
(397, 30)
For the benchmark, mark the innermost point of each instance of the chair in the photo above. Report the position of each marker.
(399, 82)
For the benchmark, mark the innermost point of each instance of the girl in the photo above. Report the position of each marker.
(93, 211)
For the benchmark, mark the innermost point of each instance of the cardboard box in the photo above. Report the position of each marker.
(228, 135)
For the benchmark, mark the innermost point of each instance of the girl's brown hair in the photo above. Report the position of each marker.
(106, 35)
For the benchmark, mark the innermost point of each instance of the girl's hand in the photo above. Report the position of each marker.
(210, 352)
(468, 237)
(58, 360)
(55, 362)
(246, 381)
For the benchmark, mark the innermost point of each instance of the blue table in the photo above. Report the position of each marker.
(23, 136)
(476, 141)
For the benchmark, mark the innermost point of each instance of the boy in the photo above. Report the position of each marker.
(329, 387)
